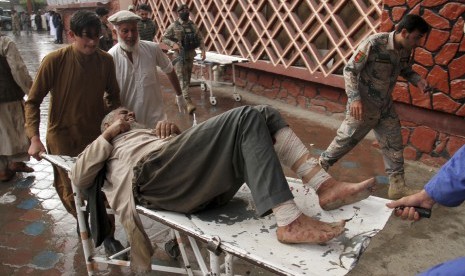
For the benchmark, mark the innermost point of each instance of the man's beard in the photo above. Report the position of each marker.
(136, 125)
(127, 47)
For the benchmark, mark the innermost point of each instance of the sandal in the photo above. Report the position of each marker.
(20, 167)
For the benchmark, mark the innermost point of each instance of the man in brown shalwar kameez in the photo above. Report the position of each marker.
(83, 88)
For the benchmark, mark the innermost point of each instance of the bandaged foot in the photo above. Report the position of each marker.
(308, 230)
(333, 194)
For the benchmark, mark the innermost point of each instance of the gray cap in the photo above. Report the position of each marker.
(123, 16)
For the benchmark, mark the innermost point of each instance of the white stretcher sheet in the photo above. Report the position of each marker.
(220, 59)
(244, 234)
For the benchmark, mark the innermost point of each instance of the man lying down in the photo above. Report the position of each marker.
(205, 166)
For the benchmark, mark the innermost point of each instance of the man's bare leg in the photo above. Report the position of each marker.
(332, 194)
(307, 230)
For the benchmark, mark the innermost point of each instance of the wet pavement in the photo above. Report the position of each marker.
(38, 236)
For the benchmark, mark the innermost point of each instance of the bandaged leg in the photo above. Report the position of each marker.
(286, 212)
(332, 194)
(293, 154)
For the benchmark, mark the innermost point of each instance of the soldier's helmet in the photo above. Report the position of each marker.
(182, 7)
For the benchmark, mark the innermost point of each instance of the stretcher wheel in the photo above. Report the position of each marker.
(172, 249)
(203, 86)
(212, 100)
(237, 97)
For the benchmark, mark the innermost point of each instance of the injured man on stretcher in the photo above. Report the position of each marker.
(205, 166)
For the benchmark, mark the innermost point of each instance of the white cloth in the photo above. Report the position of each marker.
(138, 80)
(53, 30)
(12, 134)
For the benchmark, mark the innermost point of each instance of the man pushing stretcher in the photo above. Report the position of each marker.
(204, 167)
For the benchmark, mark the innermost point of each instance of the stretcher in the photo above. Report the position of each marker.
(211, 61)
(235, 231)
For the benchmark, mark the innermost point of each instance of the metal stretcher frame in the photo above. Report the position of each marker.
(235, 231)
(66, 162)
(214, 59)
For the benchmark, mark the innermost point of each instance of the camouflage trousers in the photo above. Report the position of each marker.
(387, 130)
(184, 72)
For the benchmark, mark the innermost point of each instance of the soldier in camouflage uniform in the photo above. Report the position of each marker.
(184, 37)
(146, 27)
(106, 38)
(370, 77)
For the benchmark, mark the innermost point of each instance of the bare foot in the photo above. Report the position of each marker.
(334, 194)
(308, 230)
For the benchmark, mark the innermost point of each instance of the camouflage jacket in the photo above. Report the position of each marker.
(175, 33)
(147, 29)
(372, 71)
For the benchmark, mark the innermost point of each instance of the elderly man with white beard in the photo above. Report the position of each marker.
(136, 63)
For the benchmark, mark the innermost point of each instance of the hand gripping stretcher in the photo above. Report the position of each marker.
(235, 231)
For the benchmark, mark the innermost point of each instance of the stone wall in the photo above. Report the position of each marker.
(432, 124)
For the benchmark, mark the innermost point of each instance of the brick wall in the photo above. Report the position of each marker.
(432, 124)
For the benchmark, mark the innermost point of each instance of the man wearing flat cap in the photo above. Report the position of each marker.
(136, 63)
(184, 37)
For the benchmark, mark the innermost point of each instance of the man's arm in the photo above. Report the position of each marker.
(447, 187)
(351, 78)
(17, 66)
(166, 66)
(169, 37)
(413, 77)
(94, 157)
(40, 88)
(112, 91)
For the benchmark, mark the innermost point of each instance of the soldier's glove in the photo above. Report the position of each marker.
(181, 102)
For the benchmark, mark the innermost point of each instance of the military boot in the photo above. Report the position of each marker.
(190, 106)
(398, 188)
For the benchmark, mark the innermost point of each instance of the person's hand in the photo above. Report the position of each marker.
(181, 102)
(118, 127)
(420, 199)
(36, 148)
(424, 86)
(204, 55)
(356, 109)
(165, 129)
(176, 47)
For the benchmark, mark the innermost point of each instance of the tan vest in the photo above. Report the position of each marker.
(9, 89)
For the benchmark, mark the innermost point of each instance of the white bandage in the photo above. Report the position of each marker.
(288, 147)
(286, 212)
(315, 180)
(318, 179)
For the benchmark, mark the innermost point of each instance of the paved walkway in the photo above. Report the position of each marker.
(38, 237)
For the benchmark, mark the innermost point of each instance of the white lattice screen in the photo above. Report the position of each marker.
(317, 35)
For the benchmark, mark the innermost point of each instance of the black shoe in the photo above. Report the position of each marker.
(113, 246)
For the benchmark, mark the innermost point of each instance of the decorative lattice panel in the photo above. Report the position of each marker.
(314, 34)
